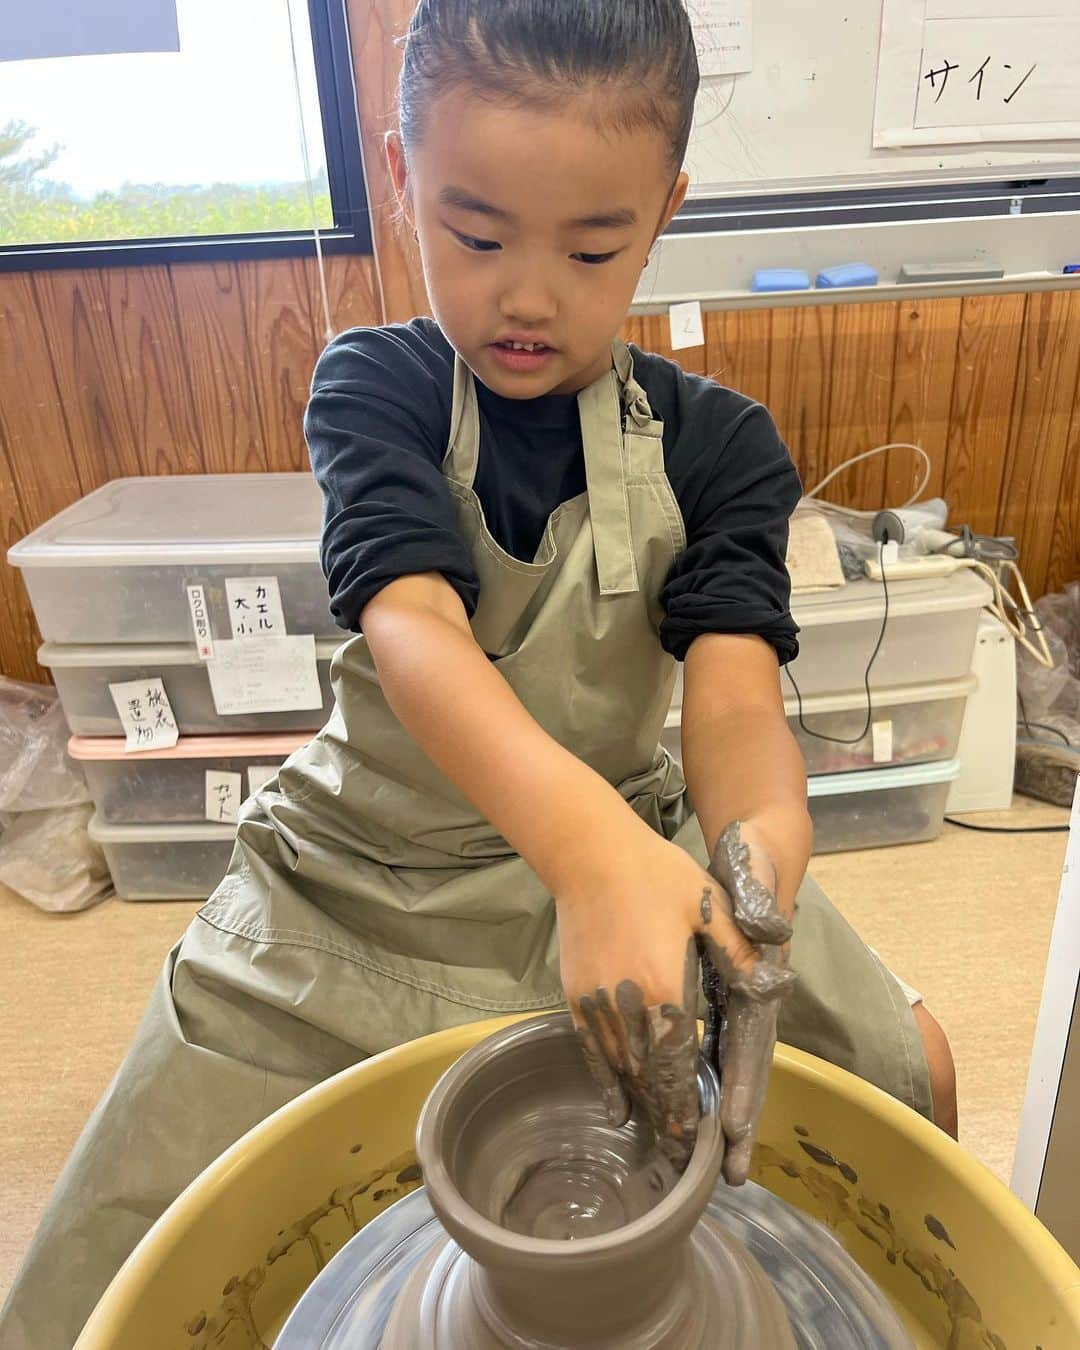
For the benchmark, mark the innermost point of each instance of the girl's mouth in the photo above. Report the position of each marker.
(521, 356)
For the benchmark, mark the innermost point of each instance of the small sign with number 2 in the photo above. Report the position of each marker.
(687, 327)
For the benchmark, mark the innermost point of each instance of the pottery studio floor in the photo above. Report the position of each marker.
(966, 919)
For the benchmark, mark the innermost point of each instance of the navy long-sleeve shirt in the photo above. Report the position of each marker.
(377, 426)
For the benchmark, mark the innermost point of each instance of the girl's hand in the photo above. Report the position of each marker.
(630, 931)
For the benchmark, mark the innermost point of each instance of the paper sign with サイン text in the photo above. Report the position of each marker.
(265, 675)
(259, 775)
(255, 607)
(145, 715)
(224, 794)
(200, 621)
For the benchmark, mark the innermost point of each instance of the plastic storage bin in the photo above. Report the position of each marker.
(905, 805)
(918, 723)
(83, 676)
(115, 566)
(169, 786)
(924, 725)
(929, 635)
(164, 862)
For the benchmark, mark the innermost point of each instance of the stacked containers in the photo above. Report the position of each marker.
(883, 779)
(122, 582)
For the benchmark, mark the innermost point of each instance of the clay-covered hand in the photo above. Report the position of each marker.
(630, 934)
(754, 988)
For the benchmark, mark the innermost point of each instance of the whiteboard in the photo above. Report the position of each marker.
(803, 117)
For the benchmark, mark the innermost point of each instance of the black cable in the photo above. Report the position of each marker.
(853, 740)
(1041, 726)
(1007, 829)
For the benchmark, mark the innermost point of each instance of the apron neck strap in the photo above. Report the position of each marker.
(463, 443)
(602, 407)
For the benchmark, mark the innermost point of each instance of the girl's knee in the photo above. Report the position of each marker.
(939, 1062)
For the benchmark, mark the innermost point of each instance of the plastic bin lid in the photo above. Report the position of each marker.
(230, 518)
(895, 695)
(891, 697)
(883, 780)
(62, 656)
(101, 832)
(273, 745)
(861, 600)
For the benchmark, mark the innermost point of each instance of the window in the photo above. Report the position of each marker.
(219, 149)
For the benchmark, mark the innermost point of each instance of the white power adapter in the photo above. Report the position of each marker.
(937, 565)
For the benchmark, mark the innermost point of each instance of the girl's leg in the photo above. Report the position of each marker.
(939, 1062)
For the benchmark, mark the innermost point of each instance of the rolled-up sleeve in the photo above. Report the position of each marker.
(376, 426)
(732, 577)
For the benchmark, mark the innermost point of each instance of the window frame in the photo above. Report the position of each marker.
(350, 233)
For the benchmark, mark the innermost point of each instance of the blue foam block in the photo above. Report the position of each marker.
(847, 274)
(780, 279)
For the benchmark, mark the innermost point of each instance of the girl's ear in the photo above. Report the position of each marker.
(399, 174)
(675, 201)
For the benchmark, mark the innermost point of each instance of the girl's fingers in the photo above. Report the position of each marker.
(753, 965)
(616, 1102)
(670, 1084)
(647, 1053)
(632, 1027)
(750, 1043)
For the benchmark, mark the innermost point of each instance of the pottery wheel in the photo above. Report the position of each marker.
(831, 1303)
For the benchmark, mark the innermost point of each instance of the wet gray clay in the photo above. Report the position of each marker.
(564, 1230)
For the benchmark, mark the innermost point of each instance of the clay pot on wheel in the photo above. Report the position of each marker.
(565, 1231)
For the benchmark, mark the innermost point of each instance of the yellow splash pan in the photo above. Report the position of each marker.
(965, 1264)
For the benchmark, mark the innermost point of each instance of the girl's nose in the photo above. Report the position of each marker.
(528, 302)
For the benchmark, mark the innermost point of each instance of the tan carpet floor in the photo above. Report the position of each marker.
(966, 919)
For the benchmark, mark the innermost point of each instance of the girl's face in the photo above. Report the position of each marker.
(534, 227)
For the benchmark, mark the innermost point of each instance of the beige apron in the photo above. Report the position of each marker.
(368, 903)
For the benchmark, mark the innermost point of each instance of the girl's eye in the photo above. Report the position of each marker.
(593, 258)
(477, 245)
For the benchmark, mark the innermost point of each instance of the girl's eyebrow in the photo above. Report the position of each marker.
(617, 218)
(465, 201)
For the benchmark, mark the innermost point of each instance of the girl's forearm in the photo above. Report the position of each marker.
(552, 809)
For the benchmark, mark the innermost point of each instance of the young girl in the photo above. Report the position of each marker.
(529, 524)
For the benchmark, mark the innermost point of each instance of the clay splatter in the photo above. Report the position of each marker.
(235, 1312)
(819, 1155)
(937, 1229)
(801, 1129)
(837, 1206)
(823, 1156)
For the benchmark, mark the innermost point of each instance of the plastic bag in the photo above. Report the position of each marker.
(1054, 693)
(1048, 739)
(35, 771)
(48, 858)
